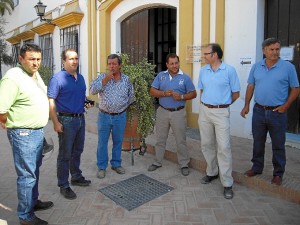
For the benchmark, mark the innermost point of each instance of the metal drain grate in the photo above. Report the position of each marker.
(135, 191)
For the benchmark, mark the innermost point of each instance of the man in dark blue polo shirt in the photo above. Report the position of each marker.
(66, 94)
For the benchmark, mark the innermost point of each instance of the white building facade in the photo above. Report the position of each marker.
(237, 25)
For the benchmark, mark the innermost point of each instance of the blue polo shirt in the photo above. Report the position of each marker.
(218, 85)
(272, 85)
(69, 94)
(180, 83)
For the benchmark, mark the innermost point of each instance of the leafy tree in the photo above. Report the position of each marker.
(6, 5)
(4, 57)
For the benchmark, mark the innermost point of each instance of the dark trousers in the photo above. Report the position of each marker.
(265, 121)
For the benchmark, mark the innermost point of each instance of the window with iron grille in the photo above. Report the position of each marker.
(46, 45)
(69, 38)
(15, 53)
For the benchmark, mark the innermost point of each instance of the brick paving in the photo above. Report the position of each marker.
(256, 201)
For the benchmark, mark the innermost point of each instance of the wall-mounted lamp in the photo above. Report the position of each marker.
(40, 9)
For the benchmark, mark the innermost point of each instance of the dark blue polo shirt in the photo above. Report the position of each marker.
(69, 93)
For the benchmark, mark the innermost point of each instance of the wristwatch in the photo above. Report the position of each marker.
(182, 97)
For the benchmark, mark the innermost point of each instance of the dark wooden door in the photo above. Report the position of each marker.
(150, 33)
(134, 36)
(282, 18)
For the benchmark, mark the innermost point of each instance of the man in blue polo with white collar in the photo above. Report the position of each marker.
(173, 88)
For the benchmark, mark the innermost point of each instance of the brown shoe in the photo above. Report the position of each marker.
(251, 173)
(277, 180)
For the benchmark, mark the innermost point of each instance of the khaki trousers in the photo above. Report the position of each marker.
(214, 125)
(177, 121)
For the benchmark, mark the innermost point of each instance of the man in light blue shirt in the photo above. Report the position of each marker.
(115, 95)
(220, 87)
(270, 81)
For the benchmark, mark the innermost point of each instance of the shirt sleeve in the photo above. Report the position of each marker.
(156, 84)
(251, 79)
(96, 85)
(53, 88)
(200, 85)
(293, 78)
(131, 93)
(234, 80)
(8, 94)
(189, 84)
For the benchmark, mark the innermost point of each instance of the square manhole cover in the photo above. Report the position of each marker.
(135, 191)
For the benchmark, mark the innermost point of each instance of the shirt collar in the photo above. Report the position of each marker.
(179, 72)
(22, 68)
(263, 63)
(221, 67)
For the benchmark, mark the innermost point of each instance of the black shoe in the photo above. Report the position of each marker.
(35, 221)
(207, 179)
(228, 193)
(39, 205)
(153, 167)
(68, 193)
(47, 148)
(81, 182)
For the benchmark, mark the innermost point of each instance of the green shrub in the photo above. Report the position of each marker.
(141, 75)
(46, 73)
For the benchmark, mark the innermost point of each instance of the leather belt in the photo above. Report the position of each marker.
(112, 114)
(266, 107)
(27, 128)
(70, 114)
(173, 109)
(216, 106)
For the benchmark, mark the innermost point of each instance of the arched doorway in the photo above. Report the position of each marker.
(150, 33)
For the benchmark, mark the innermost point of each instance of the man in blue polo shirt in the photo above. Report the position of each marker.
(66, 94)
(270, 81)
(220, 87)
(173, 88)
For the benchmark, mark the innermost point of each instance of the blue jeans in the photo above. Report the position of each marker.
(71, 143)
(27, 146)
(110, 124)
(275, 123)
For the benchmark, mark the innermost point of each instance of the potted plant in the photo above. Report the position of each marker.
(140, 114)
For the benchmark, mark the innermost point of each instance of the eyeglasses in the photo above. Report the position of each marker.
(208, 53)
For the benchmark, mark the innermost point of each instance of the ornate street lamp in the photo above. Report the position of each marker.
(40, 9)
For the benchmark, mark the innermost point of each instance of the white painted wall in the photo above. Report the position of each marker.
(244, 28)
(198, 42)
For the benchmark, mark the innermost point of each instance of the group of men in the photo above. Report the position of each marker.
(25, 109)
(272, 81)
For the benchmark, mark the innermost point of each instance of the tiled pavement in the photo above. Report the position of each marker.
(190, 203)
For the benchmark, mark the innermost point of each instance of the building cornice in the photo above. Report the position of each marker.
(72, 15)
